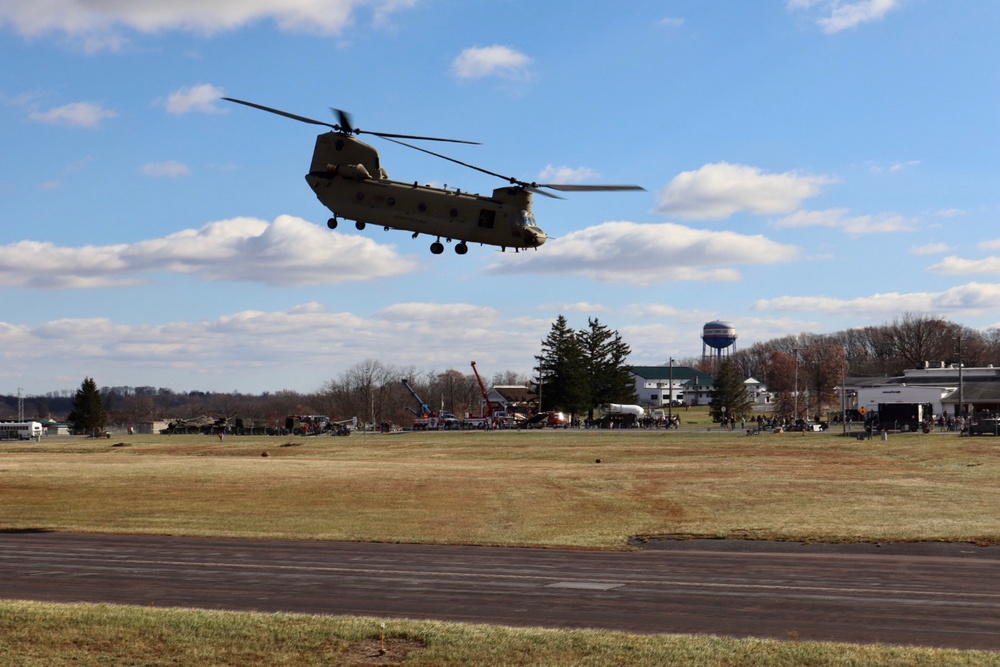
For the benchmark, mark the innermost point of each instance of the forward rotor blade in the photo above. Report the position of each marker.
(279, 112)
(387, 135)
(590, 188)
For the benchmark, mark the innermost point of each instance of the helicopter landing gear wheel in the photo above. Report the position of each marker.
(359, 225)
(332, 223)
(461, 248)
(437, 247)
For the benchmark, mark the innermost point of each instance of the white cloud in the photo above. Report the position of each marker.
(447, 313)
(842, 15)
(671, 22)
(566, 175)
(858, 225)
(992, 244)
(84, 17)
(75, 114)
(500, 61)
(968, 299)
(578, 307)
(262, 345)
(169, 169)
(289, 251)
(718, 190)
(893, 168)
(196, 98)
(930, 249)
(649, 254)
(957, 266)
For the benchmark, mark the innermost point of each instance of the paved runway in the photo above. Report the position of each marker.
(931, 595)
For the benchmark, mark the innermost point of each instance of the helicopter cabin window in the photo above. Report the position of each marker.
(487, 218)
(526, 218)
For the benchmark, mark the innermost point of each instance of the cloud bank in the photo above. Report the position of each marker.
(84, 17)
(288, 251)
(649, 254)
(719, 190)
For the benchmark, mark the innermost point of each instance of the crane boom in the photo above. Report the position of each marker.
(425, 410)
(487, 410)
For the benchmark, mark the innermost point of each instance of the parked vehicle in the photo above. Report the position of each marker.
(20, 430)
(985, 423)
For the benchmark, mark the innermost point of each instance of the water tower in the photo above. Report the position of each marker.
(721, 338)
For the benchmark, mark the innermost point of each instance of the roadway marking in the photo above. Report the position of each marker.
(585, 585)
(556, 581)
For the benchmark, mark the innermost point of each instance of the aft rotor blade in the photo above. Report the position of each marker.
(345, 120)
(348, 126)
(279, 112)
(536, 189)
(510, 179)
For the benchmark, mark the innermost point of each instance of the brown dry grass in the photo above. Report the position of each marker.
(511, 488)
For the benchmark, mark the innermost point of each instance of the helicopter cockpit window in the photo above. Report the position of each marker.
(526, 218)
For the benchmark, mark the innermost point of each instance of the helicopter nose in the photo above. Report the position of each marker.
(538, 237)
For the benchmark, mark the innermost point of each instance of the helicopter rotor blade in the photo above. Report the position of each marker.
(537, 189)
(530, 187)
(345, 125)
(345, 120)
(348, 127)
(509, 179)
(388, 135)
(279, 112)
(589, 188)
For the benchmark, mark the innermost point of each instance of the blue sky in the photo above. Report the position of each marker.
(809, 165)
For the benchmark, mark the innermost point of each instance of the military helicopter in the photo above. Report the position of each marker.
(348, 179)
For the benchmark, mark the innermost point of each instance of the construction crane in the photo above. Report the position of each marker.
(487, 407)
(425, 410)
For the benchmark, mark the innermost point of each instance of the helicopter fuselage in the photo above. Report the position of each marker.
(348, 179)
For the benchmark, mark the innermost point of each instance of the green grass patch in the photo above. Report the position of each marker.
(85, 635)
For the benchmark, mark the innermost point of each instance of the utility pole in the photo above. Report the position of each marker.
(670, 393)
(961, 383)
(796, 351)
(843, 397)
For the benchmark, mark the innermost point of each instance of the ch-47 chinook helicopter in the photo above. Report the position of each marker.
(348, 179)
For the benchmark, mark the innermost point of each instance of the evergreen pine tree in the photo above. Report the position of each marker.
(562, 380)
(88, 414)
(605, 354)
(729, 392)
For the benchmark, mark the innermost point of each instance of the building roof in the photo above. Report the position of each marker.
(515, 393)
(679, 373)
(979, 384)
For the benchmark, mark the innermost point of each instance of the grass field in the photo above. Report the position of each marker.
(502, 488)
(38, 635)
(511, 488)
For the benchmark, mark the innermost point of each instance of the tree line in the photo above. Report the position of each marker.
(818, 363)
(370, 390)
(575, 371)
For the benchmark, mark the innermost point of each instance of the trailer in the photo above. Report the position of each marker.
(912, 417)
(870, 397)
